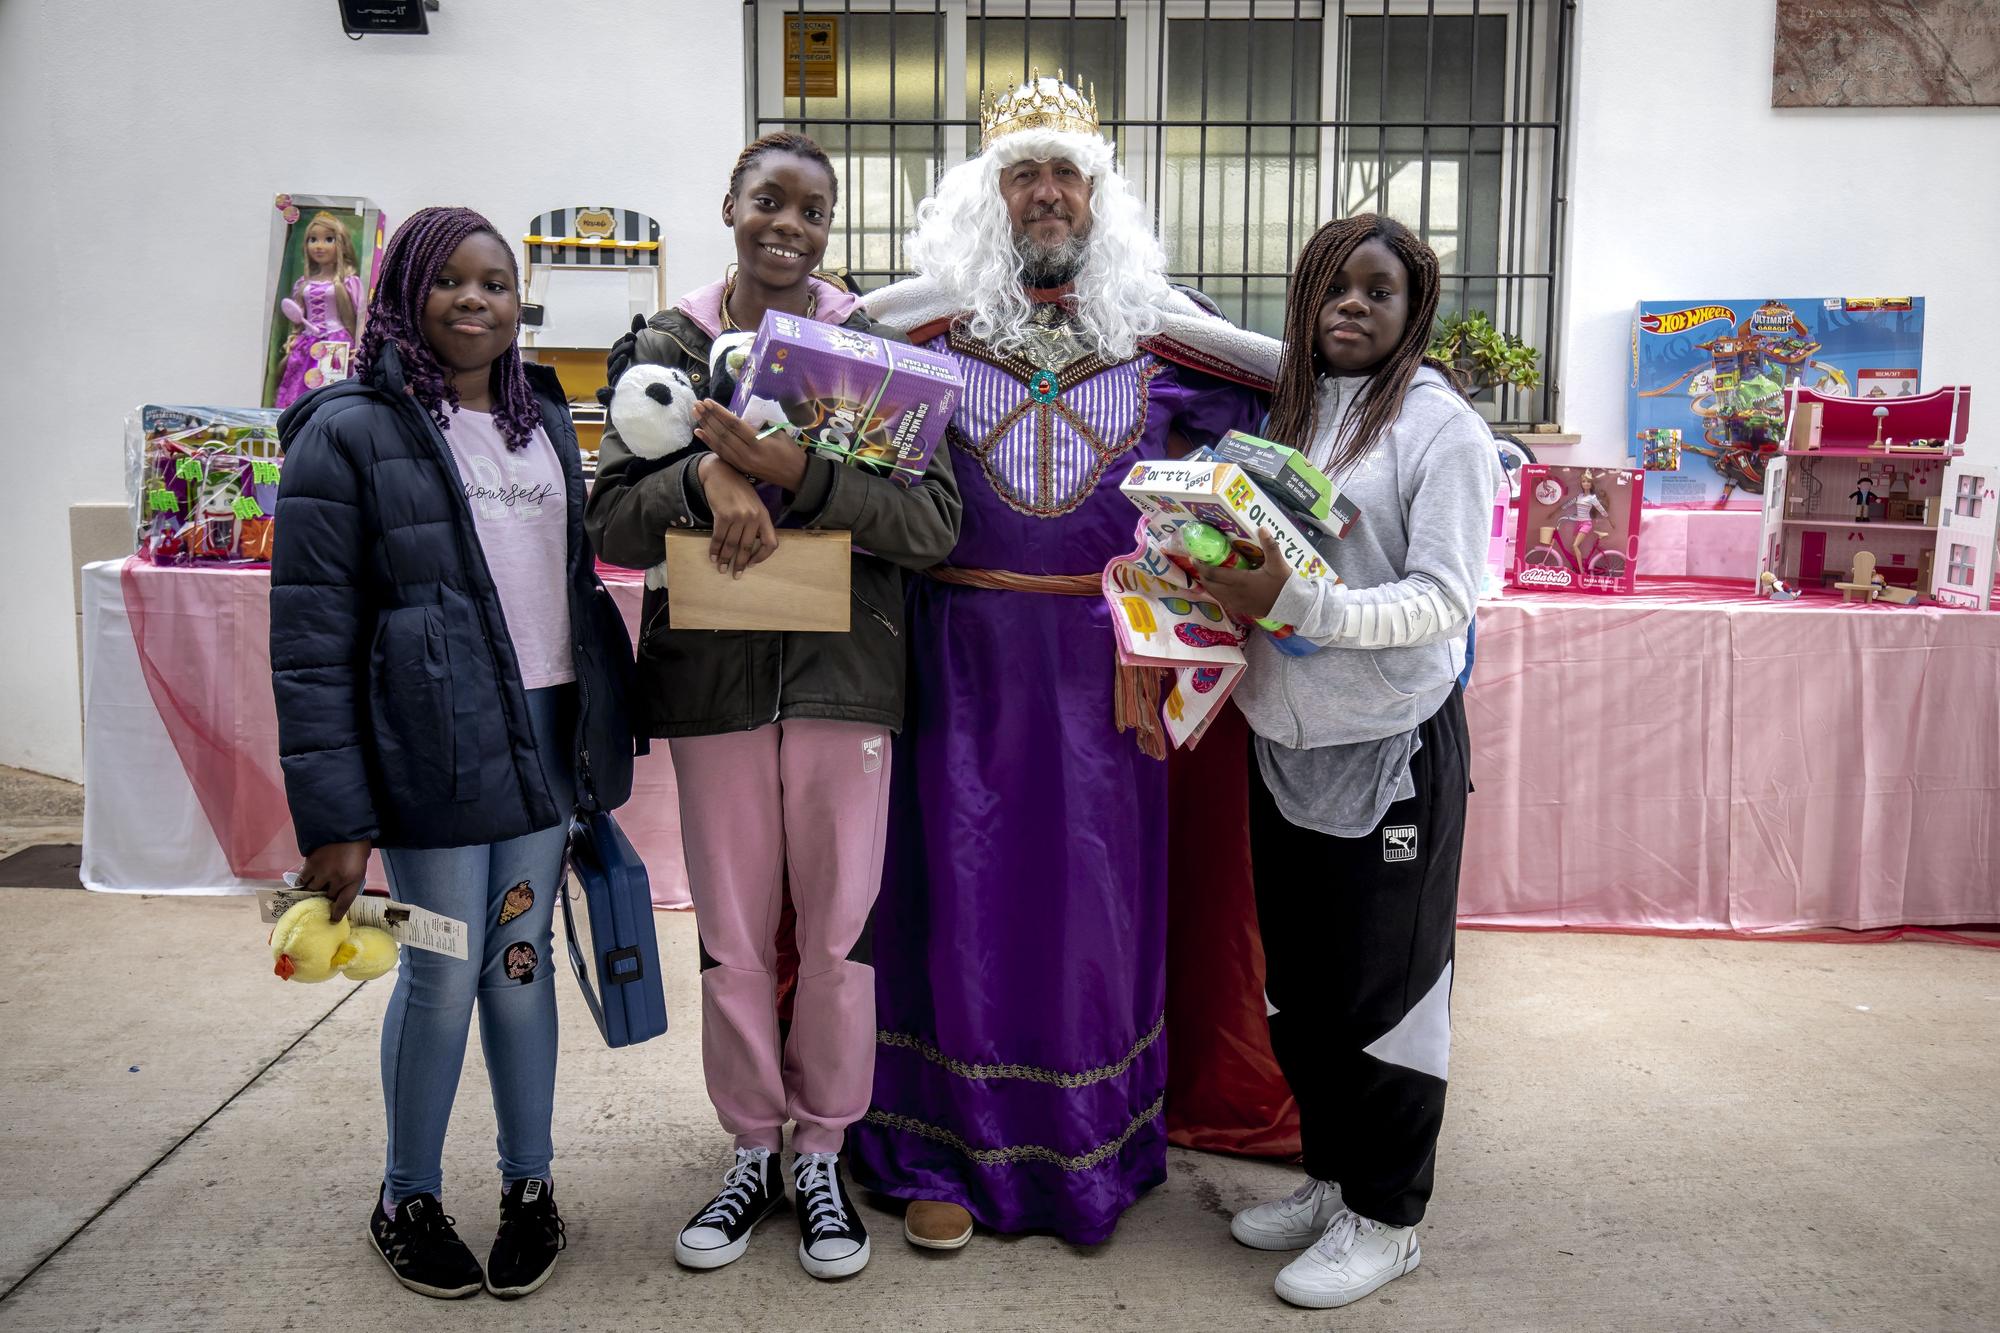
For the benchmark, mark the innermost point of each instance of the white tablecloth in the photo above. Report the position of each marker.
(144, 831)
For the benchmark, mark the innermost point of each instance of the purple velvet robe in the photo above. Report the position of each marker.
(1020, 939)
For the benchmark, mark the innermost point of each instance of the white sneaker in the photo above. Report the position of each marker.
(1290, 1223)
(1352, 1259)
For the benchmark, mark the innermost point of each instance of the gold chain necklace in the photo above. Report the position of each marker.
(729, 290)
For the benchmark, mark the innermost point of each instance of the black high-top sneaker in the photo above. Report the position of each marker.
(422, 1250)
(832, 1241)
(530, 1237)
(751, 1191)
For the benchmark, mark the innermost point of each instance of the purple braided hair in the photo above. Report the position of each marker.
(410, 266)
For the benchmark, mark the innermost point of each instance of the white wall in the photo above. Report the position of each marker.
(1687, 183)
(141, 145)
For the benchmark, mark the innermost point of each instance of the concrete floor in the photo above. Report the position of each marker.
(35, 809)
(1645, 1134)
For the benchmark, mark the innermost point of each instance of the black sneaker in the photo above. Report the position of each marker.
(423, 1251)
(832, 1241)
(751, 1191)
(531, 1235)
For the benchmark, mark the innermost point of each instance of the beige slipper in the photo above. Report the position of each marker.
(930, 1225)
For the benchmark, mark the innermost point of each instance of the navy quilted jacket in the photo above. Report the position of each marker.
(401, 717)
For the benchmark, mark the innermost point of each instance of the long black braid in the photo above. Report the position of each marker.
(410, 266)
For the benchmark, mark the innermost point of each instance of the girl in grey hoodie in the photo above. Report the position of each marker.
(1358, 772)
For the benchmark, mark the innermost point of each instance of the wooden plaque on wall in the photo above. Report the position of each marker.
(804, 586)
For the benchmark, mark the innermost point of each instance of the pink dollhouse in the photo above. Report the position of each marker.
(1888, 478)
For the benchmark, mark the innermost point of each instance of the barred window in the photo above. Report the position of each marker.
(1243, 123)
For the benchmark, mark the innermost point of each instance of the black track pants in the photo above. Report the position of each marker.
(1357, 950)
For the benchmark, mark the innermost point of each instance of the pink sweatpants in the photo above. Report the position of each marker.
(809, 797)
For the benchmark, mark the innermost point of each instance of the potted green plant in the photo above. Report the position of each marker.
(1480, 357)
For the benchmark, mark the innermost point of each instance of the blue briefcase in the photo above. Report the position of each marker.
(612, 947)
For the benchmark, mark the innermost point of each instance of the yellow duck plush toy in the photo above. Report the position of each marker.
(309, 945)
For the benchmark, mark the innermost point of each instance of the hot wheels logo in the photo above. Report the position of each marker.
(1679, 321)
(1541, 576)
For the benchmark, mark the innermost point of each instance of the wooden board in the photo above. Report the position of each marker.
(802, 587)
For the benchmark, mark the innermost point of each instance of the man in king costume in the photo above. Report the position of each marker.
(1020, 939)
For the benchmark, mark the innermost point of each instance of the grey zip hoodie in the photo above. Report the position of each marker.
(1394, 630)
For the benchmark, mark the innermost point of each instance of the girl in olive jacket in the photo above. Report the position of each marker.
(781, 741)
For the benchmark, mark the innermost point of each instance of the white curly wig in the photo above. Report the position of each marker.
(964, 245)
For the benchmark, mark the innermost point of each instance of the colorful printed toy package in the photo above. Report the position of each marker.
(1578, 528)
(1289, 478)
(849, 395)
(203, 482)
(1706, 406)
(1160, 613)
(1221, 494)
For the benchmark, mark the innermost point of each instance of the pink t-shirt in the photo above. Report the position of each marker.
(520, 511)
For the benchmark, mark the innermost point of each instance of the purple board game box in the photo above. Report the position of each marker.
(850, 395)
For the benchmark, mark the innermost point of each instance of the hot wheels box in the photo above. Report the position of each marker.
(855, 397)
(1706, 397)
(1578, 528)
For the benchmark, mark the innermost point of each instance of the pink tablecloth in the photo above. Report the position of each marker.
(1699, 543)
(1653, 761)
(203, 637)
(1732, 763)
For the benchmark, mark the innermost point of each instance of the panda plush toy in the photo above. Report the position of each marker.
(652, 409)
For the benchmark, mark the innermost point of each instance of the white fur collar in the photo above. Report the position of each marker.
(914, 302)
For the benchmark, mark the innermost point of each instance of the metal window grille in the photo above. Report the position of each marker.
(1243, 123)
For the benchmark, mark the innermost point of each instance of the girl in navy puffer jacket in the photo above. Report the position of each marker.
(447, 667)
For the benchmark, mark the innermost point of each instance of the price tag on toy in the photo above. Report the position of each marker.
(416, 927)
(274, 903)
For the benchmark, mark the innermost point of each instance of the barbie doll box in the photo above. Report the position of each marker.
(1578, 528)
(847, 394)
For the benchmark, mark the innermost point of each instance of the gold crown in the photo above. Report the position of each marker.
(1038, 104)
